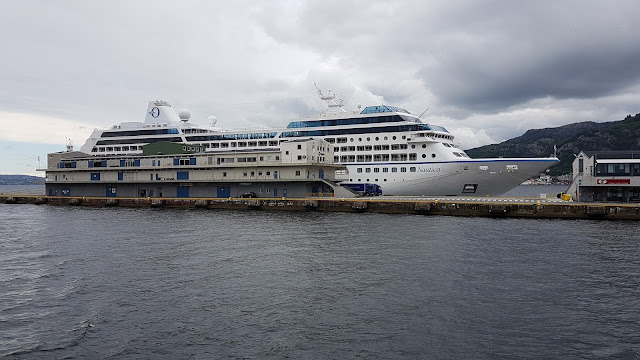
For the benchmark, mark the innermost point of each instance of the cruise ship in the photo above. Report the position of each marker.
(381, 144)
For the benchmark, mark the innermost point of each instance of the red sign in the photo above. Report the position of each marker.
(614, 181)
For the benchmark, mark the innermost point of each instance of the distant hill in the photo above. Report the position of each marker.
(569, 139)
(20, 180)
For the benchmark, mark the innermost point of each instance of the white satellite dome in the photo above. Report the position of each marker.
(184, 115)
(212, 120)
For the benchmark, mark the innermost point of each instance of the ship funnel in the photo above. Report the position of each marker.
(160, 112)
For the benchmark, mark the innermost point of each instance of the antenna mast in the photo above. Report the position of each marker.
(329, 99)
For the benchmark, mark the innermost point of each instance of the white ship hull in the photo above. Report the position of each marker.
(475, 177)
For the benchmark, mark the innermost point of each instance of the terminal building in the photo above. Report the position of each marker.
(298, 168)
(606, 176)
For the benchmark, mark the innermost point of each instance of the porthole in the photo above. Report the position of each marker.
(424, 146)
(386, 138)
(394, 137)
(368, 139)
(403, 137)
(433, 155)
(351, 139)
(413, 146)
(377, 138)
(359, 139)
(424, 156)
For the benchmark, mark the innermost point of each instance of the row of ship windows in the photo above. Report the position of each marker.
(385, 157)
(383, 147)
(344, 140)
(385, 170)
(275, 143)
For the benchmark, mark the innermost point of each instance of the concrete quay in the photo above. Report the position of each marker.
(447, 206)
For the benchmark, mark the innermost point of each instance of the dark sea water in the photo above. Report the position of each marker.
(118, 283)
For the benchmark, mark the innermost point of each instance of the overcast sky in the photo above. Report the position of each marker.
(487, 70)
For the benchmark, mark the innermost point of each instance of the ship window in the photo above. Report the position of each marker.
(368, 139)
(384, 170)
(359, 139)
(376, 170)
(351, 139)
(359, 170)
(403, 169)
(394, 137)
(424, 156)
(424, 146)
(367, 170)
(341, 140)
(377, 138)
(433, 155)
(386, 138)
(394, 169)
(413, 157)
(412, 169)
(413, 146)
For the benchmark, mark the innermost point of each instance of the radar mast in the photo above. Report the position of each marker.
(333, 107)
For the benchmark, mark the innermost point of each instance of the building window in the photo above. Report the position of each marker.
(297, 172)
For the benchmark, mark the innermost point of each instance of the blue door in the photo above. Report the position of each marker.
(275, 174)
(111, 191)
(275, 191)
(321, 173)
(224, 191)
(183, 192)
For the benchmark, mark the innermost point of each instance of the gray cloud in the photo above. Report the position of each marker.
(501, 66)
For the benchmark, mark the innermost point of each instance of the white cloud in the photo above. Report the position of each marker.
(33, 128)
